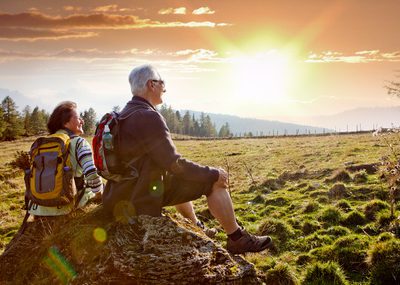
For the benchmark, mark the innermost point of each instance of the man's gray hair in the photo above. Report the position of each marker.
(139, 77)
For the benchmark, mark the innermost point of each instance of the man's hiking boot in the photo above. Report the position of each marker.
(248, 243)
(209, 232)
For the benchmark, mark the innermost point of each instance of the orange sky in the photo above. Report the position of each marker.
(266, 59)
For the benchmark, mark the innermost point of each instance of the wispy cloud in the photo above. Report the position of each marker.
(114, 8)
(176, 11)
(197, 55)
(32, 26)
(26, 34)
(180, 56)
(72, 8)
(203, 10)
(363, 56)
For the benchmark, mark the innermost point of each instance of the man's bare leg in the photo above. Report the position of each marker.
(220, 206)
(187, 211)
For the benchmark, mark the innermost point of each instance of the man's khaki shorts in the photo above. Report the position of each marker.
(178, 190)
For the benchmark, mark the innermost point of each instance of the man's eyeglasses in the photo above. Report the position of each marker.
(159, 81)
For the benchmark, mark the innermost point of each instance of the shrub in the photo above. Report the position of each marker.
(324, 253)
(354, 218)
(331, 216)
(311, 207)
(259, 199)
(374, 206)
(351, 251)
(324, 274)
(344, 205)
(312, 241)
(394, 228)
(278, 229)
(337, 191)
(385, 237)
(361, 176)
(278, 201)
(384, 218)
(384, 259)
(281, 274)
(310, 227)
(335, 231)
(369, 229)
(323, 200)
(339, 175)
(303, 259)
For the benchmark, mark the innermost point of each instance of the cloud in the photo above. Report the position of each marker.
(363, 56)
(197, 55)
(107, 8)
(25, 34)
(72, 8)
(203, 10)
(40, 26)
(176, 11)
(114, 8)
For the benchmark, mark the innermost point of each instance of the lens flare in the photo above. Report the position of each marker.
(156, 188)
(59, 265)
(100, 235)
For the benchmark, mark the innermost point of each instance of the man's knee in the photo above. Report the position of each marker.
(218, 190)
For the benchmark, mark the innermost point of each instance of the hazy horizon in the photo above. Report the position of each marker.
(260, 59)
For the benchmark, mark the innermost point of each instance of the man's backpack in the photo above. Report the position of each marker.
(105, 150)
(50, 179)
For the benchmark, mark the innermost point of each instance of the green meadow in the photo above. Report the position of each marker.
(324, 200)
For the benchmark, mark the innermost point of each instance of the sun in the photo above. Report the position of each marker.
(264, 77)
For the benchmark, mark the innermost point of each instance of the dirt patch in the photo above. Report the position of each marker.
(370, 168)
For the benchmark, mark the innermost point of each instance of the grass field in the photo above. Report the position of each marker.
(323, 211)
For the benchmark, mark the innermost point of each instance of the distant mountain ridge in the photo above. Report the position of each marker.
(239, 125)
(359, 119)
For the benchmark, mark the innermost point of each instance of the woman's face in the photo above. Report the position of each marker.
(75, 123)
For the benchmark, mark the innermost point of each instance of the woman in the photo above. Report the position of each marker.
(65, 119)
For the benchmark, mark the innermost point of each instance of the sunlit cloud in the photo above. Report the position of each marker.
(107, 8)
(33, 9)
(176, 11)
(26, 34)
(188, 55)
(34, 25)
(198, 55)
(364, 56)
(203, 10)
(72, 8)
(113, 8)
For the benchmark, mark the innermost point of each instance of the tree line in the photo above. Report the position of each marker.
(14, 124)
(189, 125)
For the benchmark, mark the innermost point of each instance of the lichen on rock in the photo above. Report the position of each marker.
(152, 250)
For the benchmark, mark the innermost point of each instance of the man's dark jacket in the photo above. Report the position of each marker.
(143, 133)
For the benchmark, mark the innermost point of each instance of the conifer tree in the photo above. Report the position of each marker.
(11, 117)
(187, 124)
(38, 122)
(89, 118)
(224, 131)
(2, 123)
(26, 117)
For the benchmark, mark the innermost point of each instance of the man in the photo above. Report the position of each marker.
(165, 178)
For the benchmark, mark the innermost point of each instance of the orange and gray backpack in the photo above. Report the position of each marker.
(50, 179)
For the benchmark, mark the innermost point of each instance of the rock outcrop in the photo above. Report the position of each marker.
(90, 248)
